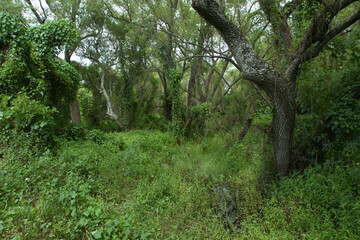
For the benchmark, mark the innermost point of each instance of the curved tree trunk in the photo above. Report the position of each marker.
(280, 87)
(283, 128)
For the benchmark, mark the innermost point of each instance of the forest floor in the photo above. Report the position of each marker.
(143, 185)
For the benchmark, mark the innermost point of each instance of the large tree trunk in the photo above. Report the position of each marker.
(74, 106)
(75, 112)
(283, 128)
(283, 125)
(280, 88)
(253, 68)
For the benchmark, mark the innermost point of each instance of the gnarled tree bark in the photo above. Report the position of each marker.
(280, 87)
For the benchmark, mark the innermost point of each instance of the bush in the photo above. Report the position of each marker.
(63, 195)
(30, 65)
(200, 115)
(155, 122)
(72, 132)
(329, 125)
(321, 203)
(108, 126)
(31, 117)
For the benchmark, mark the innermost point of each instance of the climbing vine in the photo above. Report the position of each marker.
(177, 123)
(200, 114)
(30, 67)
(51, 37)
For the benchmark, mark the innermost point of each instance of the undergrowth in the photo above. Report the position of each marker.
(142, 185)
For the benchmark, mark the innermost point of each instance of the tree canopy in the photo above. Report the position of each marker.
(179, 119)
(136, 48)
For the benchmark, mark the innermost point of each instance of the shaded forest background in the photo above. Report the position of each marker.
(131, 120)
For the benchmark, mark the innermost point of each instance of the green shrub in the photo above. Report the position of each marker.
(200, 115)
(108, 126)
(321, 203)
(31, 117)
(29, 65)
(142, 185)
(63, 195)
(329, 126)
(155, 122)
(72, 132)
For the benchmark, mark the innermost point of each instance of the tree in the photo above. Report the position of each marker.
(170, 27)
(102, 52)
(29, 65)
(84, 14)
(279, 83)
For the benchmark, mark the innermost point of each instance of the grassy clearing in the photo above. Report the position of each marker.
(142, 185)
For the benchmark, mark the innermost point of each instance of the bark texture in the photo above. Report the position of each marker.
(280, 87)
(255, 69)
(74, 106)
(75, 112)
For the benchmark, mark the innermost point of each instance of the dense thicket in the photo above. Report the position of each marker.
(174, 142)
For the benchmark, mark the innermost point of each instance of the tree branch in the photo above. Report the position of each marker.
(313, 52)
(320, 25)
(215, 56)
(217, 83)
(262, 96)
(278, 22)
(113, 15)
(248, 121)
(289, 8)
(252, 66)
(109, 106)
(43, 10)
(39, 19)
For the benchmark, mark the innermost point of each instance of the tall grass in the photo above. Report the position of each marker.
(142, 185)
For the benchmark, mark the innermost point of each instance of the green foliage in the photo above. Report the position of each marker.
(11, 30)
(51, 37)
(329, 126)
(154, 122)
(136, 185)
(344, 112)
(37, 203)
(303, 16)
(28, 116)
(321, 203)
(12, 7)
(175, 87)
(20, 146)
(72, 132)
(29, 64)
(88, 110)
(61, 75)
(141, 184)
(200, 115)
(108, 126)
